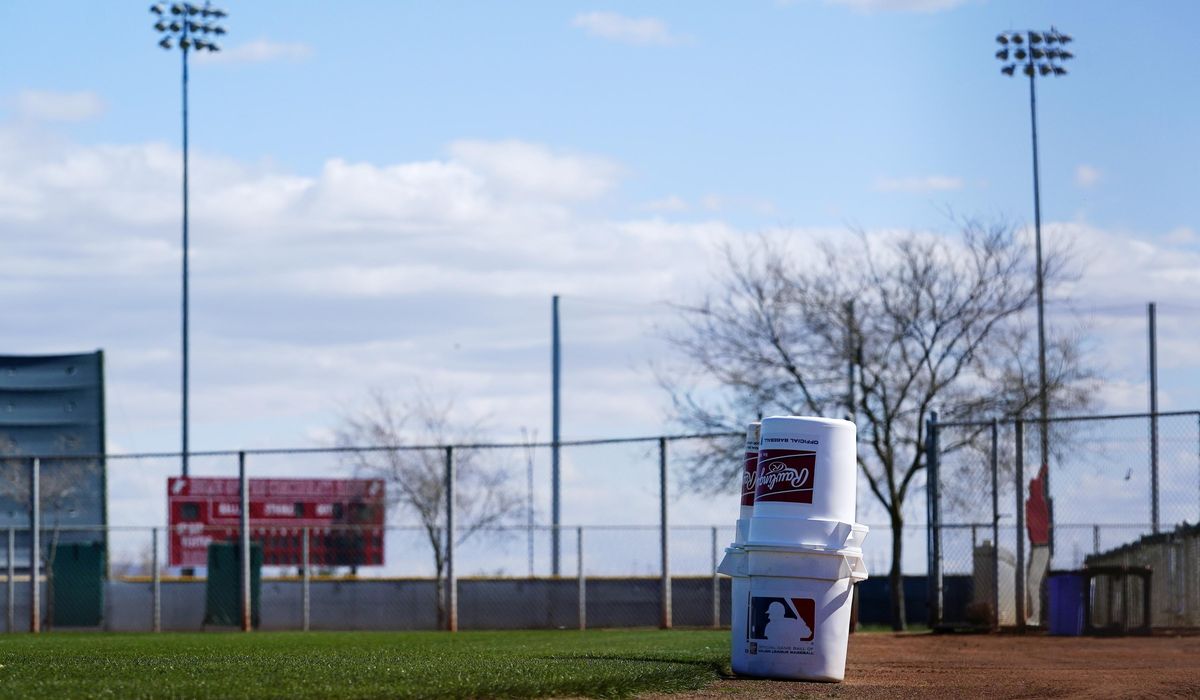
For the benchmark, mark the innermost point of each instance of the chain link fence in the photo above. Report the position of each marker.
(1007, 508)
(302, 539)
(356, 559)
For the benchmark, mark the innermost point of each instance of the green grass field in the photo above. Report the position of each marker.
(359, 664)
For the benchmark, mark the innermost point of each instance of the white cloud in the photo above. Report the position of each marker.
(642, 31)
(671, 203)
(309, 289)
(527, 168)
(930, 183)
(717, 203)
(869, 6)
(1182, 234)
(1087, 176)
(1121, 268)
(258, 51)
(43, 105)
(712, 203)
(362, 274)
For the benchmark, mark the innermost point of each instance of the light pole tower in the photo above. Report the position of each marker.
(1038, 54)
(191, 28)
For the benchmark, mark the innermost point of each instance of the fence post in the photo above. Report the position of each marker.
(555, 440)
(582, 580)
(244, 539)
(1020, 571)
(665, 622)
(35, 545)
(451, 581)
(155, 582)
(995, 524)
(10, 622)
(305, 578)
(11, 618)
(716, 583)
(1153, 419)
(933, 527)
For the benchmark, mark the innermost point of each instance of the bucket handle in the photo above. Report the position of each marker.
(854, 568)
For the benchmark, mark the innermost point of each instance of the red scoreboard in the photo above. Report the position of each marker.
(344, 519)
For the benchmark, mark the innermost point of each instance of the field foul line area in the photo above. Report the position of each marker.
(595, 663)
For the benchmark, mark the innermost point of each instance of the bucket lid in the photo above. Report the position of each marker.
(812, 534)
(734, 562)
(799, 562)
(741, 531)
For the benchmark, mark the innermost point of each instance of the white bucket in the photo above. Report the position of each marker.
(734, 566)
(795, 618)
(749, 469)
(806, 471)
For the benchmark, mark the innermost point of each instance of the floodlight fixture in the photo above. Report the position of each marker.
(179, 32)
(1031, 51)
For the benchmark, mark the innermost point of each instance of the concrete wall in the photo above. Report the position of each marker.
(411, 604)
(20, 604)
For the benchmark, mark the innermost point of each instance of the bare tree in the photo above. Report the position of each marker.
(484, 496)
(881, 330)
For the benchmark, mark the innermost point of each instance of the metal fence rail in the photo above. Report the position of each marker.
(445, 570)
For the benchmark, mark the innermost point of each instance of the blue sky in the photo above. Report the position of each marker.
(387, 192)
(811, 106)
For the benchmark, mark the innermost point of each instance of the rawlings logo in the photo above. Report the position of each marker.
(785, 475)
(749, 467)
(777, 472)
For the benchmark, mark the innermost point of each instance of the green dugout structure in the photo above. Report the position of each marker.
(222, 600)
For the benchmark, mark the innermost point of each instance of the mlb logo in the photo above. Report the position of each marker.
(778, 619)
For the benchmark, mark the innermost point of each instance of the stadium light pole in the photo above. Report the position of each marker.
(190, 28)
(1037, 54)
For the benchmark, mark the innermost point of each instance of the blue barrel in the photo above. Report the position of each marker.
(1067, 598)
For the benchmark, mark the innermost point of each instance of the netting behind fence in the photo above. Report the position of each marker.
(1004, 522)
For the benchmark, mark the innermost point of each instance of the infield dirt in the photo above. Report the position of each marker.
(884, 665)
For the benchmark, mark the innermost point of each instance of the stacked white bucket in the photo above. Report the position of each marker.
(797, 552)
